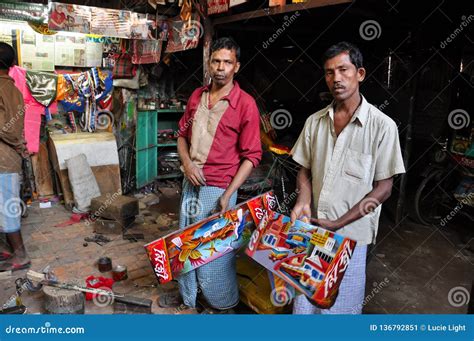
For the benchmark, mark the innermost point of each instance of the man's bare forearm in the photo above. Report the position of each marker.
(183, 150)
(303, 183)
(242, 174)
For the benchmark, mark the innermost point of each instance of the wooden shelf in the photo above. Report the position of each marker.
(170, 111)
(169, 176)
(172, 144)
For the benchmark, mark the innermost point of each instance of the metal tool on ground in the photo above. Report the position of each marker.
(98, 239)
(137, 301)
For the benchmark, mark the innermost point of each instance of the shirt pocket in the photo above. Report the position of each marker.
(357, 166)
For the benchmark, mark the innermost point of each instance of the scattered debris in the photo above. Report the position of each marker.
(133, 237)
(98, 239)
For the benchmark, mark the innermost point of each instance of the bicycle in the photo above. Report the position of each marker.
(280, 178)
(440, 195)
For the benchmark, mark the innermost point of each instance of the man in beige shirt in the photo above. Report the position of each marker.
(12, 148)
(349, 153)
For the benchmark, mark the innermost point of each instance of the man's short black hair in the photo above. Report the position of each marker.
(7, 56)
(354, 53)
(226, 43)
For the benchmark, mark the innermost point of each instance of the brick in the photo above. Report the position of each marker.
(114, 207)
(112, 226)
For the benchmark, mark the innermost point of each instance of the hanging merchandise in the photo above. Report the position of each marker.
(33, 109)
(22, 11)
(217, 6)
(124, 67)
(102, 21)
(42, 86)
(184, 35)
(146, 51)
(87, 93)
(186, 10)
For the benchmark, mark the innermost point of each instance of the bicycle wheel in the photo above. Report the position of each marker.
(433, 199)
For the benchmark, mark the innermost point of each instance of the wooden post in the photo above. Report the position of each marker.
(62, 301)
(207, 40)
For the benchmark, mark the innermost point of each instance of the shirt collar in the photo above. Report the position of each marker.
(360, 114)
(232, 97)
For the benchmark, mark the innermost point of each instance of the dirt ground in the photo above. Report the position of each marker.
(412, 269)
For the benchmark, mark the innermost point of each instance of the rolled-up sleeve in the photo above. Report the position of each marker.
(186, 122)
(389, 160)
(250, 144)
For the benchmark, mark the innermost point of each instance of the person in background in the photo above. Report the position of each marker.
(349, 153)
(12, 150)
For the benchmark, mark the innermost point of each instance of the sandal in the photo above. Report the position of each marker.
(170, 300)
(14, 266)
(5, 256)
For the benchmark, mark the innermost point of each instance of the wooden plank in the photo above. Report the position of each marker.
(278, 10)
(108, 179)
(43, 172)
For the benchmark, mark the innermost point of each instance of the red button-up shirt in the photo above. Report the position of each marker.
(222, 136)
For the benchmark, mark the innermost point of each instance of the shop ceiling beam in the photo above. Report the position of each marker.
(278, 10)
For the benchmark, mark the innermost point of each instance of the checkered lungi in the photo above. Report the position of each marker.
(217, 280)
(351, 291)
(10, 203)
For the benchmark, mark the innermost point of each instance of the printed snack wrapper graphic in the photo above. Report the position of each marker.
(200, 243)
(311, 259)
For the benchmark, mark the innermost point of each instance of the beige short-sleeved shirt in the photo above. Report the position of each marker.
(344, 167)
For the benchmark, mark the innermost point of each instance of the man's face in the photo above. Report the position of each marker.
(222, 66)
(342, 77)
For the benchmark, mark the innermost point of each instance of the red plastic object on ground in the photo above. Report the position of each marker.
(103, 283)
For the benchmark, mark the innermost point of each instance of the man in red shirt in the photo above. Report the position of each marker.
(219, 144)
